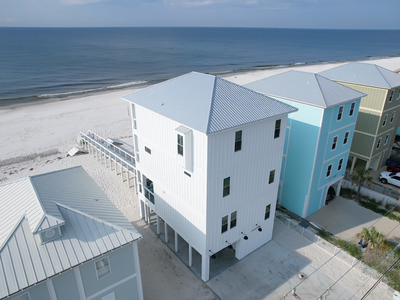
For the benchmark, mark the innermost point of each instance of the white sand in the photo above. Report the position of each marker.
(35, 139)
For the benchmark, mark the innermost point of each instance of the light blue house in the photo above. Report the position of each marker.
(318, 136)
(61, 238)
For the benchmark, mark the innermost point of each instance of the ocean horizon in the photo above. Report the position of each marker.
(55, 63)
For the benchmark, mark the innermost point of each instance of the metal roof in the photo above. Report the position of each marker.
(91, 227)
(207, 103)
(364, 74)
(304, 87)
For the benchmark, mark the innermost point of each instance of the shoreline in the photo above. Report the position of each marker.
(146, 83)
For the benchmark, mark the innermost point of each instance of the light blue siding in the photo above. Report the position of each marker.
(308, 147)
(121, 265)
(65, 286)
(37, 292)
(302, 143)
(126, 290)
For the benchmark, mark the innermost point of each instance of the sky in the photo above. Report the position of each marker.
(325, 14)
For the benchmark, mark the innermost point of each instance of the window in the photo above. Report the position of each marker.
(148, 150)
(352, 107)
(267, 211)
(384, 121)
(346, 137)
(340, 113)
(227, 186)
(23, 297)
(392, 117)
(102, 267)
(224, 226)
(334, 142)
(386, 139)
(391, 96)
(379, 143)
(187, 174)
(340, 164)
(277, 128)
(233, 219)
(271, 176)
(328, 171)
(238, 140)
(180, 144)
(109, 296)
(398, 95)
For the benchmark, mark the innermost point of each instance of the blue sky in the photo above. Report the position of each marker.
(341, 14)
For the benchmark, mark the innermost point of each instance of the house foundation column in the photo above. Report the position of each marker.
(158, 225)
(190, 256)
(205, 267)
(339, 187)
(176, 241)
(353, 163)
(166, 231)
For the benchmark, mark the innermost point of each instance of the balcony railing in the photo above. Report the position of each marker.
(149, 195)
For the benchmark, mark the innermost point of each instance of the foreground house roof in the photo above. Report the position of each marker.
(304, 87)
(92, 226)
(207, 103)
(364, 74)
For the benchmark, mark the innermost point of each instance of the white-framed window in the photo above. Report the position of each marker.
(109, 296)
(271, 176)
(102, 267)
(334, 142)
(277, 132)
(398, 95)
(340, 165)
(378, 144)
(391, 96)
(329, 170)
(392, 117)
(23, 297)
(386, 139)
(346, 137)
(180, 144)
(238, 140)
(227, 186)
(267, 211)
(340, 113)
(384, 120)
(148, 150)
(224, 224)
(352, 107)
(233, 219)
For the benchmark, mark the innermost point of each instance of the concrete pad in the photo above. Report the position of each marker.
(345, 218)
(271, 271)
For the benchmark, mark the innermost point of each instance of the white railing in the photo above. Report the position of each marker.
(104, 151)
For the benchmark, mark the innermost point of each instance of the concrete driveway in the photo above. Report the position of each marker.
(345, 218)
(272, 271)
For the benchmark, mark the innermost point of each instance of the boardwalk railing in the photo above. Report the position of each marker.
(110, 154)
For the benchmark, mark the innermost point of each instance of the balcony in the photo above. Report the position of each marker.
(149, 190)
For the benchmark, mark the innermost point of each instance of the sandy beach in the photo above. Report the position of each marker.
(35, 139)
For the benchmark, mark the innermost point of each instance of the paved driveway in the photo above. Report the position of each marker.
(345, 218)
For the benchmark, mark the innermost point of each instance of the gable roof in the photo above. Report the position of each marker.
(92, 226)
(207, 103)
(304, 87)
(364, 74)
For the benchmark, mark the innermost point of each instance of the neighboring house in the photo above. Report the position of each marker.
(318, 136)
(208, 154)
(379, 113)
(62, 238)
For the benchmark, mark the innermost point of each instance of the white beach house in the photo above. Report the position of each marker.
(62, 238)
(208, 155)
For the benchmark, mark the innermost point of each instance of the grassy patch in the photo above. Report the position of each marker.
(347, 193)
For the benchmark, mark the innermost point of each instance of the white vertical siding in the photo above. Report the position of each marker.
(250, 191)
(179, 199)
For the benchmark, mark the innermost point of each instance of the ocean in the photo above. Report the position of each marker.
(43, 63)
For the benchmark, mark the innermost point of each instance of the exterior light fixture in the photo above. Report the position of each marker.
(245, 236)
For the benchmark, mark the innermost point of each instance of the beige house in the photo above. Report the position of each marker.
(378, 117)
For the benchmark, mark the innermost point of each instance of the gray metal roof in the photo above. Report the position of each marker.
(91, 227)
(207, 103)
(305, 87)
(364, 74)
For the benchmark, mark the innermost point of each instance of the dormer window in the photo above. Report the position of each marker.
(50, 234)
